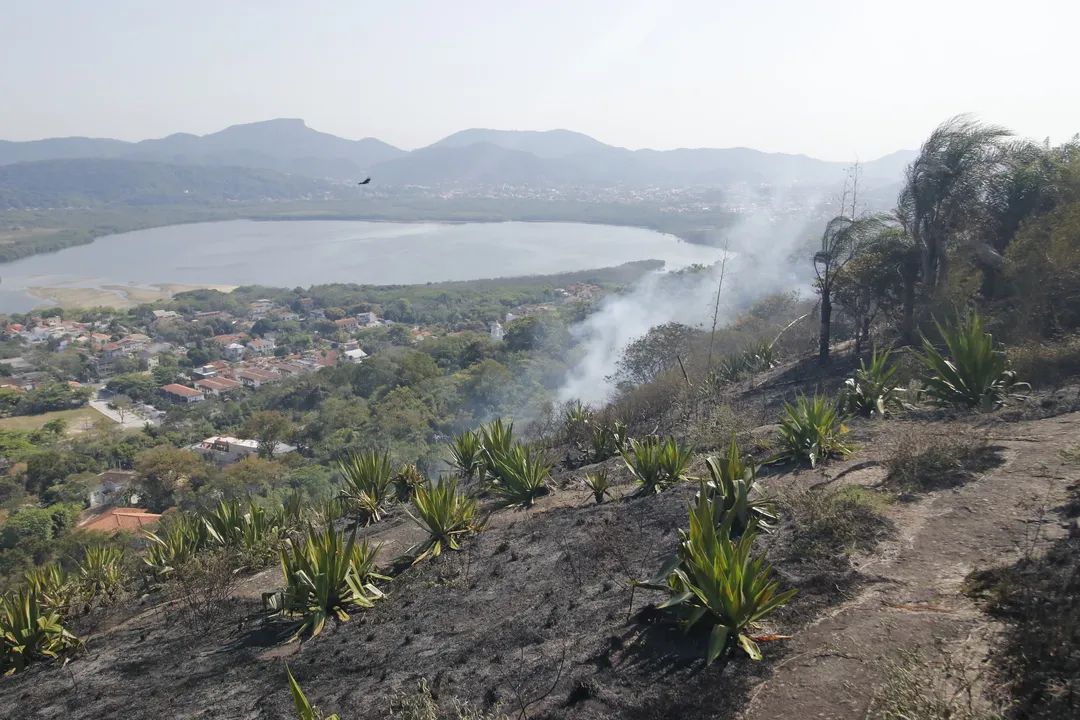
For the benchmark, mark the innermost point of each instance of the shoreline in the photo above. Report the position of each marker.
(115, 296)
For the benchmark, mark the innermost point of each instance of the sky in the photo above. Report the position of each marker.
(834, 79)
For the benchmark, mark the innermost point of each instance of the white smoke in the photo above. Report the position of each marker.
(769, 253)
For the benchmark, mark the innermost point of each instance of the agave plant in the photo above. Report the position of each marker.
(304, 709)
(976, 373)
(30, 631)
(576, 419)
(405, 481)
(497, 439)
(657, 464)
(175, 544)
(811, 430)
(290, 515)
(520, 475)
(762, 357)
(467, 454)
(251, 530)
(52, 587)
(874, 389)
(607, 441)
(326, 576)
(446, 514)
(101, 573)
(367, 478)
(599, 484)
(716, 582)
(734, 493)
(234, 525)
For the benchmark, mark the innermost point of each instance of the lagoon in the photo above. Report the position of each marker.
(133, 266)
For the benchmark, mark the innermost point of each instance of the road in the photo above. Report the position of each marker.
(131, 420)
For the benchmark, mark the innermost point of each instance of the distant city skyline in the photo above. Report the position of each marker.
(833, 80)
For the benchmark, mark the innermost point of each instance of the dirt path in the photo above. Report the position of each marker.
(833, 667)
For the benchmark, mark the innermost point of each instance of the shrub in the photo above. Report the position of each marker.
(445, 514)
(735, 495)
(30, 631)
(201, 589)
(366, 479)
(810, 430)
(657, 464)
(304, 709)
(714, 581)
(874, 389)
(520, 475)
(325, 577)
(467, 454)
(599, 484)
(976, 374)
(1046, 364)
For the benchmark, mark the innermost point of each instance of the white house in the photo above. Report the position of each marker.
(233, 352)
(261, 346)
(113, 486)
(354, 356)
(182, 393)
(497, 332)
(225, 450)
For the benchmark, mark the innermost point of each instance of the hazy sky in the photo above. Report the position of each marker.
(830, 78)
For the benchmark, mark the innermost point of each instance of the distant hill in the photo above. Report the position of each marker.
(471, 157)
(54, 148)
(480, 164)
(111, 181)
(542, 144)
(284, 145)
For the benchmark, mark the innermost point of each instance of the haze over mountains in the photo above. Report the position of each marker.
(468, 158)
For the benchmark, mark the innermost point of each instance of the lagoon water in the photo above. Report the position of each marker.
(303, 253)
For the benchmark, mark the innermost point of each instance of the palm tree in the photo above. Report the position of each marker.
(842, 240)
(946, 187)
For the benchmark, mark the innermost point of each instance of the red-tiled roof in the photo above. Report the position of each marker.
(180, 390)
(217, 384)
(115, 519)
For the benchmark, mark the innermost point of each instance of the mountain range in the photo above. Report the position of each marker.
(474, 157)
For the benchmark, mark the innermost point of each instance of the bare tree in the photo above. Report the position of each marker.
(841, 241)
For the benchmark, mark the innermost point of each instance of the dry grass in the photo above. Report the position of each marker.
(74, 419)
(1046, 365)
(421, 705)
(829, 524)
(945, 688)
(924, 458)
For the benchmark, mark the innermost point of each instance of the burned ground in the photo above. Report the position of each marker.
(535, 614)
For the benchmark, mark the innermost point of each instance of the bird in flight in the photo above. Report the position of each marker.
(365, 182)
